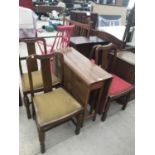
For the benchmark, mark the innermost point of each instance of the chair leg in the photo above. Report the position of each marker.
(27, 105)
(82, 121)
(33, 111)
(126, 101)
(42, 140)
(79, 123)
(104, 114)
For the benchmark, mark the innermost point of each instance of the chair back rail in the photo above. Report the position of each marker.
(62, 39)
(101, 56)
(47, 68)
(80, 28)
(30, 42)
(108, 37)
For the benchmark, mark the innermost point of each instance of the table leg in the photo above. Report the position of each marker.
(20, 98)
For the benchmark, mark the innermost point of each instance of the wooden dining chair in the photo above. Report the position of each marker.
(119, 87)
(61, 40)
(80, 29)
(37, 79)
(54, 106)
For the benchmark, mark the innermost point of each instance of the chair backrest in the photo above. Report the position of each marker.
(30, 43)
(49, 64)
(62, 38)
(80, 29)
(108, 37)
(100, 53)
(93, 18)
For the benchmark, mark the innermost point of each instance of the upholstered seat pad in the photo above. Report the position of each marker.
(37, 80)
(118, 85)
(55, 105)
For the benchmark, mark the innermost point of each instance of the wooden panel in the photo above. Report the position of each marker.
(75, 85)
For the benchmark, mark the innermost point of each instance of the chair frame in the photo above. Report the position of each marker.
(30, 42)
(110, 67)
(47, 82)
(31, 50)
(62, 38)
(80, 28)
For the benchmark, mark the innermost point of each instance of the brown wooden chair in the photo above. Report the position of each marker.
(80, 29)
(37, 79)
(119, 87)
(54, 106)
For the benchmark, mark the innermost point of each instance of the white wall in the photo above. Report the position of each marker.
(110, 10)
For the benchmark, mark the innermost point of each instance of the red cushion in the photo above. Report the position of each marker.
(118, 85)
(92, 61)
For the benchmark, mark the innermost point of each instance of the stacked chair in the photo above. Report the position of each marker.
(36, 75)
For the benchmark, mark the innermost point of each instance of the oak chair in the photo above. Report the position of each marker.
(119, 87)
(37, 79)
(80, 29)
(54, 106)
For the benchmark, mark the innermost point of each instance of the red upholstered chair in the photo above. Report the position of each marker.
(62, 39)
(119, 87)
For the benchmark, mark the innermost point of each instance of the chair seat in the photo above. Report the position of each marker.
(52, 106)
(37, 80)
(118, 86)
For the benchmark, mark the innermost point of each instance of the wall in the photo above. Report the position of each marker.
(110, 10)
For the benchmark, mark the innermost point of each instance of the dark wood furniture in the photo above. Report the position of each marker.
(37, 80)
(30, 43)
(54, 106)
(119, 87)
(84, 17)
(85, 44)
(80, 28)
(125, 68)
(82, 78)
(20, 98)
(108, 37)
(48, 9)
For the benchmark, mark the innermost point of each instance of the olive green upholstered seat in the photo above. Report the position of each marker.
(55, 105)
(37, 80)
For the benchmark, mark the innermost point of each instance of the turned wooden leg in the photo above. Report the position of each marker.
(27, 105)
(126, 101)
(42, 140)
(33, 111)
(79, 123)
(20, 99)
(104, 114)
(82, 120)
